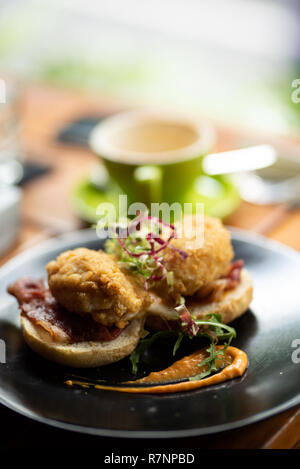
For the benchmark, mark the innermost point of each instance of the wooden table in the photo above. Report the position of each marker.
(46, 211)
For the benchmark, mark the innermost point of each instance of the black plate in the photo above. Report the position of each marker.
(35, 388)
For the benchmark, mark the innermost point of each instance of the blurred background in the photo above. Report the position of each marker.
(233, 61)
(69, 63)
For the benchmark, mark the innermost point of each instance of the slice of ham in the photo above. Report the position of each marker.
(161, 315)
(214, 290)
(40, 307)
(234, 275)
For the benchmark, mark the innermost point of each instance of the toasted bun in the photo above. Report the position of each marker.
(232, 304)
(83, 354)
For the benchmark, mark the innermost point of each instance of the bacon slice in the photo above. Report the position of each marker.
(234, 274)
(214, 290)
(39, 306)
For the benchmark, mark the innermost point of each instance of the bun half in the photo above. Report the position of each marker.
(83, 354)
(232, 304)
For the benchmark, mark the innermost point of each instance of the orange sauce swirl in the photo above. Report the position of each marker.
(233, 364)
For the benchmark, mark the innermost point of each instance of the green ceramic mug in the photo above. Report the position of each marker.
(153, 156)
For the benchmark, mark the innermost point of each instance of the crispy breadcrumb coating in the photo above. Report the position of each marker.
(91, 282)
(204, 263)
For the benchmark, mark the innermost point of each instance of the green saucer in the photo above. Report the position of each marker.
(219, 195)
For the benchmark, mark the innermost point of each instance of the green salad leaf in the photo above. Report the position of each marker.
(210, 327)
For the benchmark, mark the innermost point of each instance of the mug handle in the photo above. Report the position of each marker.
(148, 180)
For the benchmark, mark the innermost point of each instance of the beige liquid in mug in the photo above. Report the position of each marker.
(153, 137)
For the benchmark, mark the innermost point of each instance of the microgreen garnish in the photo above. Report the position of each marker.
(213, 328)
(210, 327)
(146, 343)
(178, 342)
(187, 322)
(139, 247)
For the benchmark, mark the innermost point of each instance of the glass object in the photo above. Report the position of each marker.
(11, 169)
